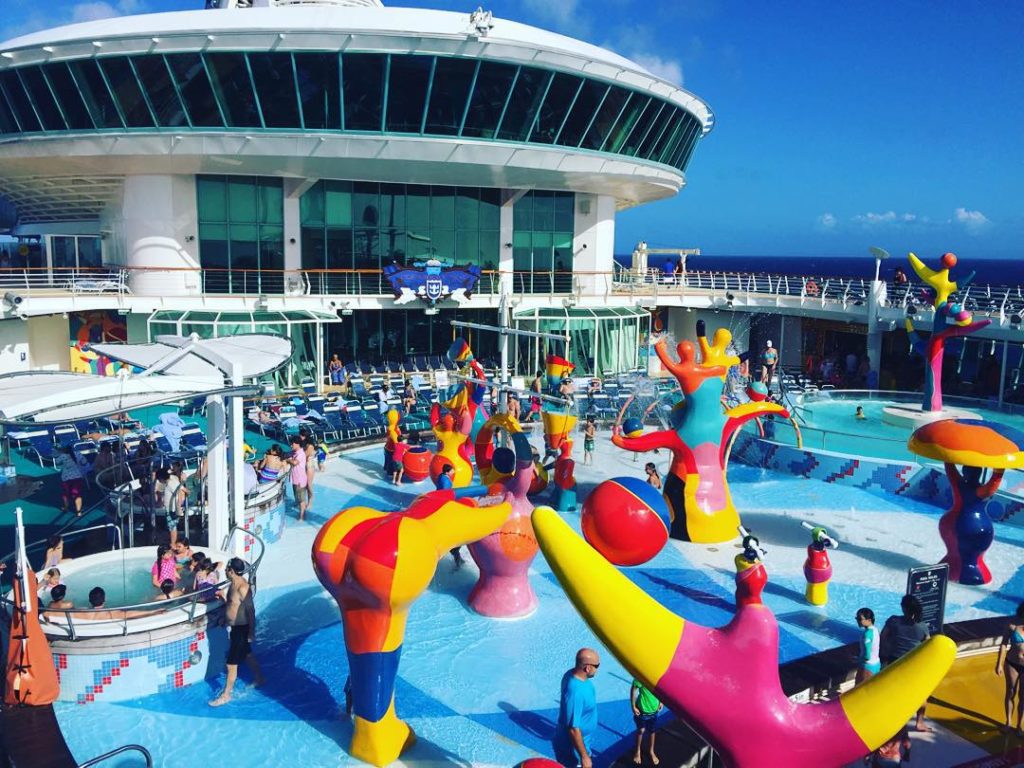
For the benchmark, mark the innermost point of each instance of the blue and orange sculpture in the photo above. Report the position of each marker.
(940, 287)
(696, 490)
(504, 557)
(966, 528)
(375, 564)
(725, 682)
(818, 566)
(626, 520)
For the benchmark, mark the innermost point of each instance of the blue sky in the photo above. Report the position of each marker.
(839, 125)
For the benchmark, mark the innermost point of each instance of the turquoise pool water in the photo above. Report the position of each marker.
(127, 581)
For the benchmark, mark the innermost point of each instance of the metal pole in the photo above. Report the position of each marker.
(503, 320)
(563, 337)
(1002, 371)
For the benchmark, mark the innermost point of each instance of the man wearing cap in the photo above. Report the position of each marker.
(769, 359)
(240, 616)
(577, 712)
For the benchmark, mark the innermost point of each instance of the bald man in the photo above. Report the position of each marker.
(577, 712)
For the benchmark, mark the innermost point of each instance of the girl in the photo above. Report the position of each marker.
(869, 662)
(1011, 668)
(589, 433)
(163, 568)
(55, 551)
(182, 552)
(167, 590)
(653, 478)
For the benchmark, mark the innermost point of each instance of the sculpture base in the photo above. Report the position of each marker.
(911, 416)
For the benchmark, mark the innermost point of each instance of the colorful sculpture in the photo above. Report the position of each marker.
(626, 520)
(559, 420)
(452, 432)
(417, 462)
(966, 528)
(563, 497)
(375, 564)
(940, 287)
(817, 566)
(695, 489)
(504, 557)
(392, 439)
(467, 395)
(725, 682)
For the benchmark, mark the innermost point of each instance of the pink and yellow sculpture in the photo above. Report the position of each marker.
(375, 564)
(696, 489)
(725, 682)
(504, 557)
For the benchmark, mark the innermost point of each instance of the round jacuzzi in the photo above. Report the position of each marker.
(138, 646)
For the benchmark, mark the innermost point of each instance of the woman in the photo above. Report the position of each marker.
(54, 552)
(653, 478)
(408, 398)
(312, 467)
(1011, 666)
(173, 500)
(272, 466)
(71, 480)
(536, 387)
(164, 567)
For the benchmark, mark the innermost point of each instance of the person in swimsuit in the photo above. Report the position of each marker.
(57, 601)
(1011, 667)
(894, 752)
(240, 616)
(164, 567)
(312, 467)
(869, 663)
(167, 591)
(54, 551)
(646, 707)
(653, 478)
(182, 552)
(589, 432)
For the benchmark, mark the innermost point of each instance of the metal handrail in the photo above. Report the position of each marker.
(9, 558)
(120, 750)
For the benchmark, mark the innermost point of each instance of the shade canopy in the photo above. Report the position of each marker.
(970, 442)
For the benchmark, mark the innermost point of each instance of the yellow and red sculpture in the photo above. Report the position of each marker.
(375, 564)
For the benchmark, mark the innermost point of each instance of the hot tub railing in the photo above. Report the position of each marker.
(120, 616)
(116, 541)
(119, 751)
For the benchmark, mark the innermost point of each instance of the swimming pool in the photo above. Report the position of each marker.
(481, 692)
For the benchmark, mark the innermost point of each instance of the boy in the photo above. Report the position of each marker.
(645, 711)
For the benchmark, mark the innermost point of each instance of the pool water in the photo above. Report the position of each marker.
(127, 581)
(485, 693)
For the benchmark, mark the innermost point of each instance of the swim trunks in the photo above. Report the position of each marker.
(238, 644)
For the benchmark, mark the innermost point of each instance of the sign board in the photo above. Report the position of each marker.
(928, 584)
(441, 379)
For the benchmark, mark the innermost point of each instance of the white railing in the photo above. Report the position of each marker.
(78, 281)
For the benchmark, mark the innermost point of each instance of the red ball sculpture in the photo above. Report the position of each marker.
(626, 520)
(417, 463)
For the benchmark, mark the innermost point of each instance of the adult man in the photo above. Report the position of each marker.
(769, 359)
(901, 635)
(577, 712)
(240, 616)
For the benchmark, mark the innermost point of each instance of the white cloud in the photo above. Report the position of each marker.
(827, 221)
(561, 13)
(666, 69)
(972, 220)
(92, 11)
(872, 219)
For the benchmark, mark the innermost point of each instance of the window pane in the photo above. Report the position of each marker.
(555, 108)
(244, 258)
(232, 85)
(522, 212)
(452, 78)
(543, 212)
(157, 81)
(407, 92)
(490, 209)
(667, 116)
(271, 201)
(63, 255)
(271, 248)
(365, 204)
(687, 126)
(211, 193)
(489, 95)
(467, 208)
(564, 203)
(562, 245)
(213, 256)
(417, 203)
(442, 207)
(313, 251)
(632, 112)
(467, 247)
(70, 99)
(275, 84)
(523, 104)
(338, 204)
(643, 127)
(311, 206)
(669, 134)
(94, 91)
(19, 101)
(367, 245)
(442, 243)
(241, 200)
(490, 247)
(127, 92)
(582, 111)
(392, 246)
(7, 122)
(90, 253)
(317, 74)
(606, 118)
(339, 249)
(44, 102)
(190, 74)
(392, 205)
(364, 91)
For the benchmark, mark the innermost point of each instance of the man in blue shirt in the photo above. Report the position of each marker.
(577, 712)
(444, 482)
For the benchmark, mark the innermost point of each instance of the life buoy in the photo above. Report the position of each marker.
(811, 288)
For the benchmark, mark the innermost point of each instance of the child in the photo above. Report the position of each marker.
(589, 432)
(894, 752)
(869, 662)
(860, 412)
(645, 711)
(397, 459)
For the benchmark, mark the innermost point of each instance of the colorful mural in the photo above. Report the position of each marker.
(94, 327)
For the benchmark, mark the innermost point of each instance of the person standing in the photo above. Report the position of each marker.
(645, 712)
(240, 616)
(901, 635)
(577, 712)
(298, 476)
(589, 432)
(868, 662)
(653, 478)
(335, 368)
(446, 481)
(769, 360)
(1010, 664)
(71, 479)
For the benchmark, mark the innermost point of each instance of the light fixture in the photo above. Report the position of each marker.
(124, 311)
(431, 311)
(190, 238)
(508, 245)
(346, 310)
(569, 302)
(262, 303)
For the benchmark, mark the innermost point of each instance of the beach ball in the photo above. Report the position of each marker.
(948, 260)
(626, 520)
(757, 391)
(632, 427)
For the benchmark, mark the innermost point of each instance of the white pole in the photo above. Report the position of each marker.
(503, 323)
(1002, 371)
(218, 511)
(22, 562)
(236, 455)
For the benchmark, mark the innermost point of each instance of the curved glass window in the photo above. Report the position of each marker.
(410, 94)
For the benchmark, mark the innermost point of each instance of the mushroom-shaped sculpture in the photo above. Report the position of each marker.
(976, 445)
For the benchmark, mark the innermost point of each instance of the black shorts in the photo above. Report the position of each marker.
(238, 644)
(645, 721)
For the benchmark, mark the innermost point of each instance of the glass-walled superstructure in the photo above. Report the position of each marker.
(602, 340)
(350, 92)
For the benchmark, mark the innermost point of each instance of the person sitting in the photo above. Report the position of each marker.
(514, 409)
(567, 390)
(272, 466)
(168, 591)
(57, 601)
(164, 567)
(182, 551)
(100, 612)
(408, 398)
(50, 580)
